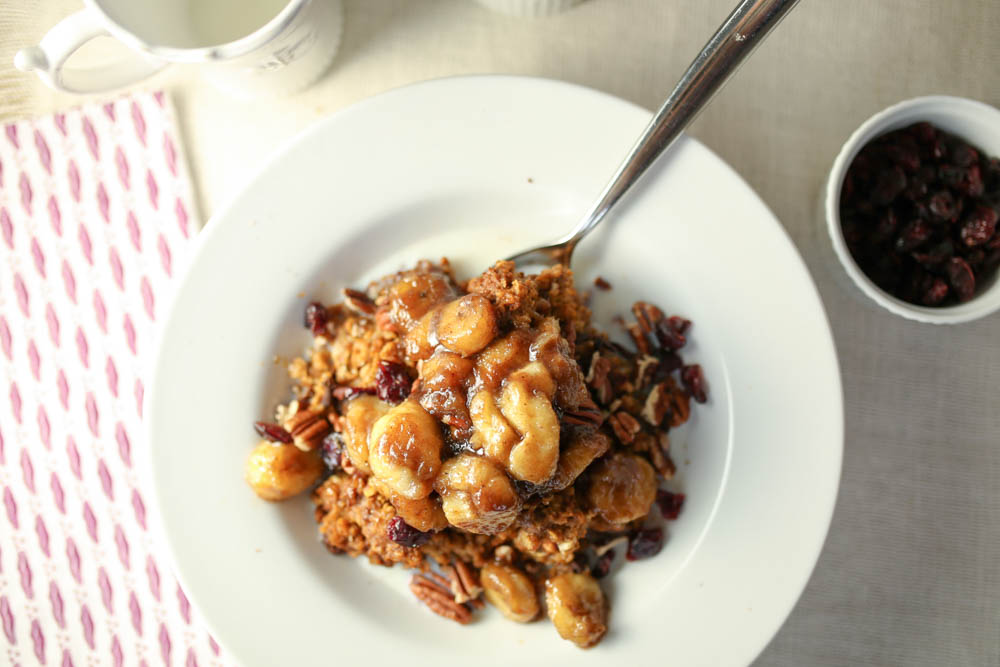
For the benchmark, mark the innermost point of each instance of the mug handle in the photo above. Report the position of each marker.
(59, 43)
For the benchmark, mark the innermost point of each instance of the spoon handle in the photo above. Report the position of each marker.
(736, 39)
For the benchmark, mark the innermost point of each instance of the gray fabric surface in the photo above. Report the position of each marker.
(910, 574)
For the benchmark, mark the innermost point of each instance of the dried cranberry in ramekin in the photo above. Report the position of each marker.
(931, 184)
(919, 212)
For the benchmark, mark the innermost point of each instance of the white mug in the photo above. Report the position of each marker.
(249, 47)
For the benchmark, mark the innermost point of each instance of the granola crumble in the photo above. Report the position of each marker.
(484, 434)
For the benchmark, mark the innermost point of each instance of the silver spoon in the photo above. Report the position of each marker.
(735, 39)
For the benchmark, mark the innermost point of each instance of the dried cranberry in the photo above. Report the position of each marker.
(679, 324)
(602, 566)
(315, 318)
(915, 189)
(886, 226)
(644, 543)
(920, 209)
(936, 293)
(972, 183)
(904, 154)
(580, 563)
(961, 278)
(392, 382)
(913, 235)
(975, 258)
(979, 226)
(991, 262)
(272, 432)
(991, 174)
(943, 205)
(937, 254)
(923, 132)
(938, 148)
(890, 183)
(670, 503)
(668, 336)
(332, 450)
(963, 155)
(404, 534)
(694, 382)
(951, 175)
(670, 361)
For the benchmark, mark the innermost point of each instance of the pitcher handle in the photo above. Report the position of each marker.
(49, 56)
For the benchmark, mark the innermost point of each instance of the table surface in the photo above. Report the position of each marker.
(910, 574)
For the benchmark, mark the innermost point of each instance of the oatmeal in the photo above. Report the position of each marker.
(486, 435)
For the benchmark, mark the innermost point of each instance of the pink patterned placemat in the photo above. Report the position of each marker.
(96, 221)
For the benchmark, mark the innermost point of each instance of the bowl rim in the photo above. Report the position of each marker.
(786, 567)
(983, 304)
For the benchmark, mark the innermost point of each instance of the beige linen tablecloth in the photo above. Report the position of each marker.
(910, 574)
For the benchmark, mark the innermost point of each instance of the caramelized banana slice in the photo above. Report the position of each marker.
(476, 495)
(360, 414)
(280, 471)
(404, 450)
(415, 295)
(443, 392)
(622, 488)
(424, 514)
(491, 432)
(510, 590)
(502, 357)
(525, 402)
(552, 350)
(467, 325)
(585, 445)
(420, 341)
(576, 606)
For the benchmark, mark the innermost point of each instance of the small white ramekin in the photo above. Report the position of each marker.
(529, 8)
(977, 123)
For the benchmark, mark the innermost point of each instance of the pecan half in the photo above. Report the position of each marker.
(597, 378)
(443, 582)
(585, 414)
(463, 583)
(645, 369)
(658, 404)
(669, 333)
(358, 301)
(681, 405)
(438, 599)
(647, 316)
(625, 426)
(659, 455)
(308, 428)
(635, 332)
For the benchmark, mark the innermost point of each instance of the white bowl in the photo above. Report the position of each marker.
(977, 123)
(477, 168)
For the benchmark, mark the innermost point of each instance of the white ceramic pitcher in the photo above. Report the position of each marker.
(248, 47)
